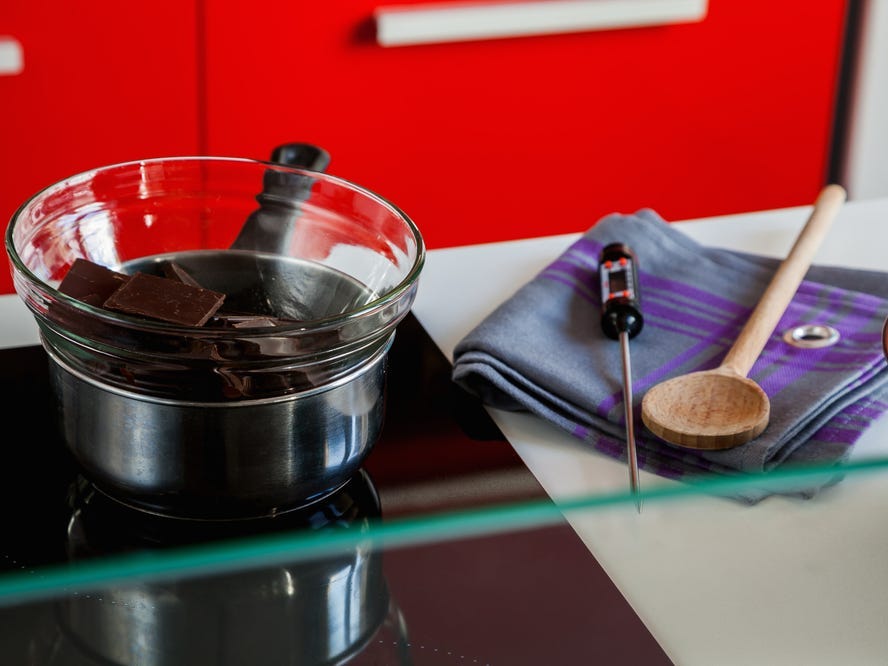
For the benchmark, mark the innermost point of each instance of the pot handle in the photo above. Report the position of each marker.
(270, 228)
(302, 155)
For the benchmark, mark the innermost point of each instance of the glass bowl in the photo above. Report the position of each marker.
(268, 397)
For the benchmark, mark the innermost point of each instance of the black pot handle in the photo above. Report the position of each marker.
(270, 228)
(302, 155)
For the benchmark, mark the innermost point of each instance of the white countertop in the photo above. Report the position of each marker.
(716, 582)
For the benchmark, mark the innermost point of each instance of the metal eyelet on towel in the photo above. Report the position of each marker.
(810, 336)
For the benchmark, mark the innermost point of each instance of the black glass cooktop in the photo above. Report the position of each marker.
(523, 596)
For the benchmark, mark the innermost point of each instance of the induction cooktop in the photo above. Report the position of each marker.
(520, 596)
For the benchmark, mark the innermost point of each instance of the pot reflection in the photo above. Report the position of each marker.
(322, 611)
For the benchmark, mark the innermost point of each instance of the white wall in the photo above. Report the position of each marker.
(864, 170)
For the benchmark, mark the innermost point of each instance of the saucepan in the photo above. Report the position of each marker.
(217, 327)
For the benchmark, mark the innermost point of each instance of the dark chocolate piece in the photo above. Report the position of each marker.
(174, 271)
(91, 282)
(165, 299)
(227, 320)
(252, 322)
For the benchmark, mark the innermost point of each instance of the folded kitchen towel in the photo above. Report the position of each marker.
(543, 349)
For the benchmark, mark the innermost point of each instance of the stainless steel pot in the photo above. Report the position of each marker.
(218, 460)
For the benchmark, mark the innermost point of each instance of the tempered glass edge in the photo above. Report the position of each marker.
(256, 552)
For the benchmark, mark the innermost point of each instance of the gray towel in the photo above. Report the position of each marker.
(543, 350)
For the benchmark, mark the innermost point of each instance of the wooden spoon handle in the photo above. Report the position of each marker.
(785, 283)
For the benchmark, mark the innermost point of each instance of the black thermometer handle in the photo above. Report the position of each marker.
(620, 301)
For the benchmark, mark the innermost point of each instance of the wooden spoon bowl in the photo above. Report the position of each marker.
(727, 409)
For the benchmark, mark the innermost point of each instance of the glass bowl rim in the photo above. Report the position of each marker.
(378, 304)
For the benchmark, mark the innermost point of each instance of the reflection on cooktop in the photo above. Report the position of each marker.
(101, 525)
(324, 610)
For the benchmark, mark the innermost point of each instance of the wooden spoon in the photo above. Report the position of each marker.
(722, 408)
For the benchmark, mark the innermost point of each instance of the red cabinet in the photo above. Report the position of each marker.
(476, 141)
(102, 82)
(488, 140)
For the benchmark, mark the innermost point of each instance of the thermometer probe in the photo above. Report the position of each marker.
(621, 320)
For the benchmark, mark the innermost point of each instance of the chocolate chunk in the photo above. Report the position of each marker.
(228, 320)
(165, 299)
(253, 322)
(90, 282)
(174, 271)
